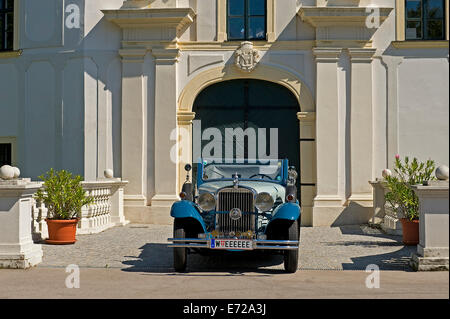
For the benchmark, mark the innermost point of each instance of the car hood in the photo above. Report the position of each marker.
(276, 190)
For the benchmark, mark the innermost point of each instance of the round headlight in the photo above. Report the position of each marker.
(264, 201)
(206, 201)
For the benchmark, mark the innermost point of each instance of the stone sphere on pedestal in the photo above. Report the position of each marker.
(386, 172)
(6, 172)
(442, 173)
(16, 172)
(108, 173)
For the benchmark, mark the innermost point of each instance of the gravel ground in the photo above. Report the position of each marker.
(143, 248)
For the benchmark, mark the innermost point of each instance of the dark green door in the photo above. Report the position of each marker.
(252, 104)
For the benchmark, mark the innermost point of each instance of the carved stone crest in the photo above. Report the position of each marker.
(246, 57)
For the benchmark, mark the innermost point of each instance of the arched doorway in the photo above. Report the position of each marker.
(251, 103)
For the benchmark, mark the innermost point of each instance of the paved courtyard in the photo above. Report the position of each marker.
(134, 262)
(143, 248)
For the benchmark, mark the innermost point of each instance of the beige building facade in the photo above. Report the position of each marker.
(120, 89)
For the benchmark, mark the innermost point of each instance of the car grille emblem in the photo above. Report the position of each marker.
(235, 214)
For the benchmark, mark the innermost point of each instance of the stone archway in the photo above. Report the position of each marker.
(262, 72)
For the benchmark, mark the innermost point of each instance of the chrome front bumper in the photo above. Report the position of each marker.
(256, 243)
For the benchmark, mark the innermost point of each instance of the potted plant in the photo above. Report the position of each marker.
(63, 195)
(402, 198)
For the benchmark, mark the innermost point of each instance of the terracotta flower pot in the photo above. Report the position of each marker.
(61, 232)
(410, 231)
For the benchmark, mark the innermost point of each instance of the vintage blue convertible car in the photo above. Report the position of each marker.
(238, 207)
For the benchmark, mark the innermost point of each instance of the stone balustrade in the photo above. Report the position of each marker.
(23, 218)
(105, 212)
(39, 225)
(98, 216)
(383, 214)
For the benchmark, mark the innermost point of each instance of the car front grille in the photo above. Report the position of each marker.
(230, 198)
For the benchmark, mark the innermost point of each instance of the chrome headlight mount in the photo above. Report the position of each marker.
(292, 175)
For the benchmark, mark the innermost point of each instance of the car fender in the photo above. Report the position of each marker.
(286, 211)
(187, 209)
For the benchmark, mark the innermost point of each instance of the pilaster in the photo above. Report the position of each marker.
(308, 167)
(166, 161)
(134, 126)
(361, 127)
(327, 133)
(392, 64)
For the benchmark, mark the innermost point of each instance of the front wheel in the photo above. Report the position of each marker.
(179, 254)
(291, 256)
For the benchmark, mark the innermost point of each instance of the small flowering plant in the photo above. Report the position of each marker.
(407, 173)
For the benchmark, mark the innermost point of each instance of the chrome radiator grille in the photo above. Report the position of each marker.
(230, 198)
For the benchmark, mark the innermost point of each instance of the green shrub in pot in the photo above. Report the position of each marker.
(400, 196)
(62, 194)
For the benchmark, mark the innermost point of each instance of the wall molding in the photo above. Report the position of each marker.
(427, 44)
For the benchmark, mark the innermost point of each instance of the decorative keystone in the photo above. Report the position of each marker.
(246, 57)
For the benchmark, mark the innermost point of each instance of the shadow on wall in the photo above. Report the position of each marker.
(109, 73)
(354, 214)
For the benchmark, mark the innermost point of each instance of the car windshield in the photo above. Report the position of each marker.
(253, 170)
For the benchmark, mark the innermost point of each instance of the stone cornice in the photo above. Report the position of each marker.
(293, 45)
(327, 54)
(104, 182)
(429, 44)
(336, 43)
(172, 18)
(136, 3)
(221, 46)
(361, 55)
(10, 54)
(440, 190)
(185, 117)
(133, 54)
(165, 55)
(339, 16)
(306, 116)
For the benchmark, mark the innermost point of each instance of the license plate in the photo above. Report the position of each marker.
(231, 244)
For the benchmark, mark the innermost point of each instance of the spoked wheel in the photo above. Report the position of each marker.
(291, 256)
(179, 254)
